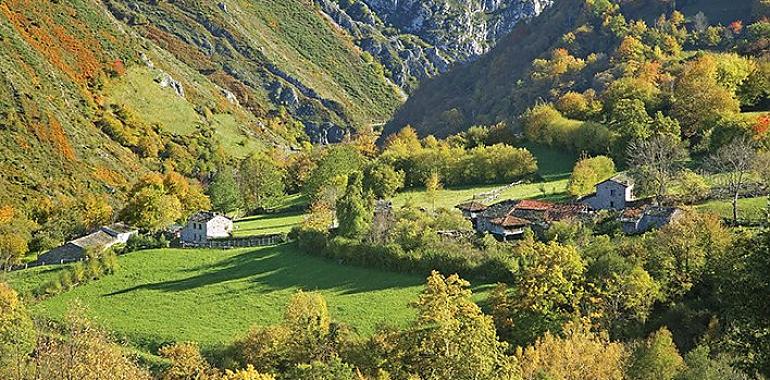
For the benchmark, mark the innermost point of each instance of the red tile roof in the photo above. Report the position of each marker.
(534, 205)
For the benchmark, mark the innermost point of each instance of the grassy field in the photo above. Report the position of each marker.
(213, 296)
(453, 196)
(748, 208)
(268, 224)
(553, 163)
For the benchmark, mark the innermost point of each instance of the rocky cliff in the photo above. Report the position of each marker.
(415, 39)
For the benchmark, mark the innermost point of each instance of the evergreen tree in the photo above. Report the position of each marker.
(224, 193)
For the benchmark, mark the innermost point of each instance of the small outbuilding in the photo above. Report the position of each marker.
(204, 226)
(96, 242)
(636, 221)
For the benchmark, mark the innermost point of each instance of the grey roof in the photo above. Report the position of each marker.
(620, 178)
(119, 228)
(204, 216)
(499, 210)
(94, 240)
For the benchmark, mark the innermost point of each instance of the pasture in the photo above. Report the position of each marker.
(748, 208)
(214, 296)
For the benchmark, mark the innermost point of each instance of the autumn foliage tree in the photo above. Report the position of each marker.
(158, 201)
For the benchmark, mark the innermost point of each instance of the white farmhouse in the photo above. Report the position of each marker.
(206, 225)
(613, 194)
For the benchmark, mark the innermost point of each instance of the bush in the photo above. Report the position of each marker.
(80, 273)
(140, 242)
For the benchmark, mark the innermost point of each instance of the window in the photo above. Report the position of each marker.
(612, 204)
(612, 192)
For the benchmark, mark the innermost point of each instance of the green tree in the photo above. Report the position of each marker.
(694, 186)
(150, 206)
(224, 193)
(381, 180)
(334, 369)
(657, 358)
(352, 214)
(679, 253)
(261, 182)
(328, 179)
(745, 293)
(630, 119)
(702, 366)
(588, 172)
(548, 289)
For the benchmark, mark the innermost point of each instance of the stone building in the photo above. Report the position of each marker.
(205, 225)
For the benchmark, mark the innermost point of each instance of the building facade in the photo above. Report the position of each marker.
(613, 194)
(204, 226)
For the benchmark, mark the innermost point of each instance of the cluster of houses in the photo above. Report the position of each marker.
(508, 220)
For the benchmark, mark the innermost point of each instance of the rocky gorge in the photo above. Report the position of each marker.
(415, 40)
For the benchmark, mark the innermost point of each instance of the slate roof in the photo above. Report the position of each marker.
(118, 228)
(499, 210)
(565, 211)
(512, 213)
(472, 206)
(204, 216)
(620, 178)
(511, 221)
(96, 239)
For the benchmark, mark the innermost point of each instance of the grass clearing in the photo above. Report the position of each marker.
(553, 163)
(268, 224)
(450, 197)
(139, 90)
(212, 296)
(748, 208)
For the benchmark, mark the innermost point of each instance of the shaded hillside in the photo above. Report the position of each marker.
(498, 87)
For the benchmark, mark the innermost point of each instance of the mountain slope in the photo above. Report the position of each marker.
(497, 87)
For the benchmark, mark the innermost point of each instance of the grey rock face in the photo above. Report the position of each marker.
(417, 39)
(165, 80)
(325, 133)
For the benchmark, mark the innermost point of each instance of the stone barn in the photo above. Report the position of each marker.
(96, 242)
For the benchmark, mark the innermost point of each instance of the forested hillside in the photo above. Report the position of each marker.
(591, 49)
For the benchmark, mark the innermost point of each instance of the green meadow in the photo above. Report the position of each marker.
(214, 296)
